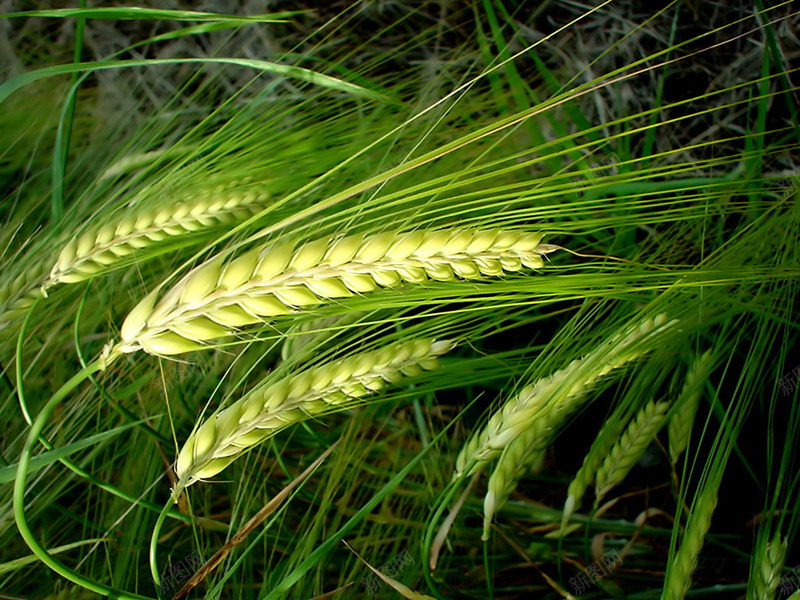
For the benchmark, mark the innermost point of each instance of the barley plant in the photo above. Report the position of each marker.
(379, 299)
(768, 568)
(629, 449)
(267, 409)
(680, 425)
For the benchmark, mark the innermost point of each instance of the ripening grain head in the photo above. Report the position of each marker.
(270, 407)
(99, 248)
(219, 297)
(545, 402)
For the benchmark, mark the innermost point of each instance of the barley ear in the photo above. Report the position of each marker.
(681, 423)
(101, 247)
(630, 447)
(514, 460)
(606, 439)
(562, 392)
(517, 414)
(524, 413)
(679, 575)
(273, 406)
(768, 568)
(19, 294)
(222, 296)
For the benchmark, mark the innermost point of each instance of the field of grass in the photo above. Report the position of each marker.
(385, 299)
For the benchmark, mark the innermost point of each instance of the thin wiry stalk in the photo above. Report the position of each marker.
(335, 386)
(216, 299)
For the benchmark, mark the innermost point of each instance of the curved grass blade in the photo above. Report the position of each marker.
(320, 79)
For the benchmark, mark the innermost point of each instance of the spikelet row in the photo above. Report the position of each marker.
(608, 436)
(17, 296)
(551, 398)
(630, 447)
(528, 448)
(268, 408)
(96, 250)
(217, 298)
(514, 460)
(679, 575)
(680, 425)
(768, 568)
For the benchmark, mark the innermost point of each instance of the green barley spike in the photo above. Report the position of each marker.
(679, 576)
(272, 406)
(630, 447)
(601, 447)
(769, 565)
(680, 425)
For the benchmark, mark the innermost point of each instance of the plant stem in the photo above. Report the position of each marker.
(154, 539)
(19, 493)
(107, 487)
